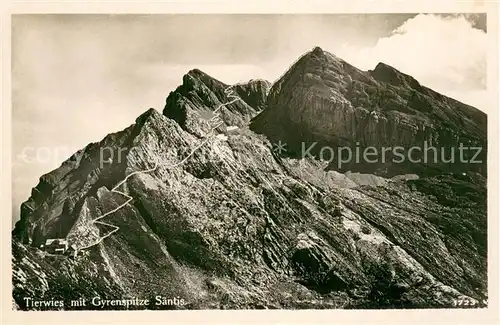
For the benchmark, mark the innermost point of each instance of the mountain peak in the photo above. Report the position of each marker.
(200, 94)
(196, 77)
(389, 74)
(197, 73)
(317, 51)
(254, 92)
(150, 113)
(384, 66)
(316, 56)
(199, 90)
(322, 97)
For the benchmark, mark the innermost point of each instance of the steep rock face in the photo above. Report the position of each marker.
(219, 220)
(254, 93)
(201, 96)
(61, 195)
(326, 100)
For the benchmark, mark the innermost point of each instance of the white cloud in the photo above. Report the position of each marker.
(443, 53)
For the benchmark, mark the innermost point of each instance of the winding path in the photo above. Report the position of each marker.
(230, 94)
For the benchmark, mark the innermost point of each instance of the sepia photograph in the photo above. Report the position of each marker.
(249, 161)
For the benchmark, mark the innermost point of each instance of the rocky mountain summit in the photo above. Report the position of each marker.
(323, 99)
(197, 209)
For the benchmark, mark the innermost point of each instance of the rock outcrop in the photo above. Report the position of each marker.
(254, 93)
(326, 102)
(218, 219)
(200, 97)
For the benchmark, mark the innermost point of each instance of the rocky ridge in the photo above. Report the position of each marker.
(237, 225)
(323, 99)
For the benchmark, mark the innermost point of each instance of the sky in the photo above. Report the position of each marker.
(76, 78)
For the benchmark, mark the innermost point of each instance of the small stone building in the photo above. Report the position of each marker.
(56, 245)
